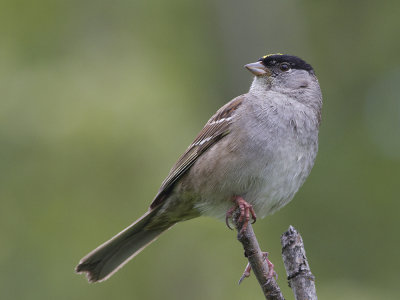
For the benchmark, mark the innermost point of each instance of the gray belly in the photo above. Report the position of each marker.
(267, 178)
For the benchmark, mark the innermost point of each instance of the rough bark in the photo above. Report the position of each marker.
(258, 263)
(300, 278)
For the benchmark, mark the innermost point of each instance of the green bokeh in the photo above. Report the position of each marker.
(99, 98)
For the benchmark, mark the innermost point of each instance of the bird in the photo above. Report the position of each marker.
(254, 154)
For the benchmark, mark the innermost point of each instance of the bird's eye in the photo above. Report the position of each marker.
(284, 67)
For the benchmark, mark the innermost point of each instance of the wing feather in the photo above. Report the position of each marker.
(214, 130)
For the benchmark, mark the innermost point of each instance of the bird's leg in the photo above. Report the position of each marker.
(245, 210)
(271, 271)
(246, 273)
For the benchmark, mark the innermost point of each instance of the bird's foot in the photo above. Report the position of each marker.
(245, 210)
(271, 271)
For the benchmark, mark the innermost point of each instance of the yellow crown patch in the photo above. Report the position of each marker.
(265, 56)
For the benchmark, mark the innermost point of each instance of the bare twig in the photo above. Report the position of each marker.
(257, 261)
(300, 278)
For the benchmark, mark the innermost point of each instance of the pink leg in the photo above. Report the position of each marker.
(245, 210)
(271, 271)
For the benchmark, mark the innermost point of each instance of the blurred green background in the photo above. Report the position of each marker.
(99, 98)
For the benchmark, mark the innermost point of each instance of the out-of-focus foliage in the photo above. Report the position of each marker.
(99, 98)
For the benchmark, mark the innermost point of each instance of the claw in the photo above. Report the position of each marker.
(253, 215)
(228, 216)
(227, 223)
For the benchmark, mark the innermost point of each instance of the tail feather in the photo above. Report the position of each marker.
(109, 257)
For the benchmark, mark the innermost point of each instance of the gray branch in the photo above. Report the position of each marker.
(257, 261)
(294, 257)
(300, 278)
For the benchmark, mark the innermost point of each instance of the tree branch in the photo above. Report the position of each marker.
(300, 278)
(257, 261)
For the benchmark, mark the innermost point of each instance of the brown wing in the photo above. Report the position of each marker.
(214, 130)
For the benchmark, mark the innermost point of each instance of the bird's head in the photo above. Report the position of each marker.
(280, 71)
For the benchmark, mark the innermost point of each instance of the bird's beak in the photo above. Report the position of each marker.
(258, 69)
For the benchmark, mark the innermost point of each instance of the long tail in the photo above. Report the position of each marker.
(109, 257)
